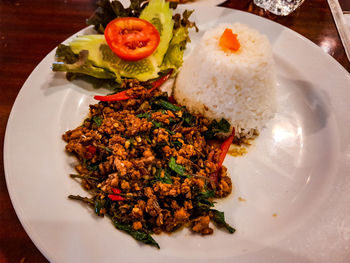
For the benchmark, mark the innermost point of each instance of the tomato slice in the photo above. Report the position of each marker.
(132, 38)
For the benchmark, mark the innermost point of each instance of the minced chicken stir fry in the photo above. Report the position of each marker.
(148, 165)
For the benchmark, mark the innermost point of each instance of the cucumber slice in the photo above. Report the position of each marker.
(161, 16)
(142, 70)
(102, 56)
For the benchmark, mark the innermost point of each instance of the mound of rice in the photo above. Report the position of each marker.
(238, 86)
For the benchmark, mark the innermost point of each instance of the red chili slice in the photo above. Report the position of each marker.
(123, 96)
(116, 190)
(90, 151)
(225, 146)
(116, 197)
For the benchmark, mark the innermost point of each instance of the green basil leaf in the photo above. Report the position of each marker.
(165, 179)
(217, 127)
(177, 168)
(97, 120)
(168, 105)
(137, 234)
(219, 218)
(99, 204)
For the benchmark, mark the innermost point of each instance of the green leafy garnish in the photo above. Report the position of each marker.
(177, 144)
(99, 204)
(157, 124)
(65, 54)
(217, 127)
(146, 115)
(107, 149)
(189, 119)
(184, 20)
(202, 200)
(85, 177)
(97, 120)
(174, 55)
(92, 167)
(219, 218)
(82, 199)
(167, 105)
(166, 178)
(177, 168)
(108, 10)
(67, 61)
(137, 234)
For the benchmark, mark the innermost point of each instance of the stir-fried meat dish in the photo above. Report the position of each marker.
(148, 165)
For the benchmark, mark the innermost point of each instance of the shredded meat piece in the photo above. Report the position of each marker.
(201, 225)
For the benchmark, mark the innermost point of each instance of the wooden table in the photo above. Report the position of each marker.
(31, 29)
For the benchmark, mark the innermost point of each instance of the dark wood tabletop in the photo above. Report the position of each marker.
(31, 29)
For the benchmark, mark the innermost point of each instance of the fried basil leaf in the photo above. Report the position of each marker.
(97, 120)
(217, 127)
(164, 178)
(189, 119)
(167, 105)
(137, 234)
(146, 115)
(202, 200)
(177, 168)
(99, 205)
(82, 199)
(219, 218)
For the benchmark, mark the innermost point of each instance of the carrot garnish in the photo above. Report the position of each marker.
(228, 40)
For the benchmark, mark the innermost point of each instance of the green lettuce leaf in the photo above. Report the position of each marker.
(174, 55)
(67, 61)
(108, 10)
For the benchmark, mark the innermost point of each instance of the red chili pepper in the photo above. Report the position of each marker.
(116, 190)
(225, 146)
(116, 197)
(123, 96)
(159, 82)
(114, 97)
(214, 178)
(91, 149)
(172, 100)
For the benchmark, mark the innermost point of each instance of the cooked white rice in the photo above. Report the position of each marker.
(238, 86)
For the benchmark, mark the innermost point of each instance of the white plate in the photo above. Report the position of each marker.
(126, 3)
(295, 178)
